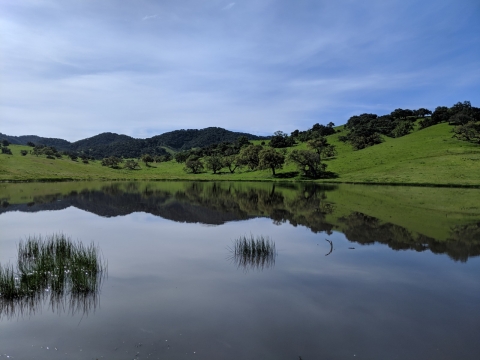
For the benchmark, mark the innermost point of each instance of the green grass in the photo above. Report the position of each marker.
(55, 267)
(426, 157)
(429, 156)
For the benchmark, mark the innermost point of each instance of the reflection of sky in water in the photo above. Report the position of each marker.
(173, 281)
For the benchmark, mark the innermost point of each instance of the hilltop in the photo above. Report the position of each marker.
(112, 144)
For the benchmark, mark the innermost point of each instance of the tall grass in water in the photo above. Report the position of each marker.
(66, 272)
(253, 253)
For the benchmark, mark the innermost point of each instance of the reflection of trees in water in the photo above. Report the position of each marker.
(364, 229)
(304, 204)
(249, 253)
(56, 271)
(310, 208)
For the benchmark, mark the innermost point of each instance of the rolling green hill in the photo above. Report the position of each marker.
(428, 156)
(425, 157)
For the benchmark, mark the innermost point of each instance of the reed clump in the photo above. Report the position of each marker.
(54, 266)
(253, 253)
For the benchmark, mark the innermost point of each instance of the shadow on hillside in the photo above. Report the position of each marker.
(325, 175)
(286, 175)
(329, 175)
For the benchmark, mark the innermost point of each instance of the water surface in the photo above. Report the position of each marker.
(360, 272)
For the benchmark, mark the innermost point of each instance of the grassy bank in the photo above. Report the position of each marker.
(426, 157)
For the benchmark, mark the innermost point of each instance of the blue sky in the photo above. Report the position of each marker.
(73, 69)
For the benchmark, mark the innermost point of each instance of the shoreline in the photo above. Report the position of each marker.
(280, 180)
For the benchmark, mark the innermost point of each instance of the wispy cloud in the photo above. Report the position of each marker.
(275, 65)
(149, 17)
(229, 6)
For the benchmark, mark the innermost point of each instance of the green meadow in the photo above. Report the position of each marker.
(425, 157)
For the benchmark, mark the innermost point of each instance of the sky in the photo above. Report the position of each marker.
(73, 69)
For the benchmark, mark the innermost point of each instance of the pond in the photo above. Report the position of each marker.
(354, 272)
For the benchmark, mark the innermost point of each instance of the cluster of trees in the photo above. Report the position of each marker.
(464, 116)
(50, 152)
(367, 129)
(133, 164)
(259, 157)
(126, 149)
(241, 153)
(310, 162)
(316, 131)
(233, 156)
(112, 161)
(4, 147)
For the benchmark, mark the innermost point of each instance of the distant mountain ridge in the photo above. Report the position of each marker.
(102, 139)
(108, 144)
(60, 144)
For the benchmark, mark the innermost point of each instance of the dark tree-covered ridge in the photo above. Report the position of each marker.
(111, 144)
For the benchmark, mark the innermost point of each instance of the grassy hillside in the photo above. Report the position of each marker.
(429, 156)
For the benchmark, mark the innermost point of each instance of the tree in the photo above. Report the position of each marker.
(163, 158)
(182, 156)
(441, 114)
(5, 142)
(401, 113)
(7, 151)
(111, 161)
(281, 140)
(233, 162)
(468, 132)
(131, 165)
(193, 164)
(403, 128)
(322, 130)
(461, 118)
(362, 141)
(422, 112)
(23, 152)
(249, 156)
(214, 162)
(309, 162)
(146, 158)
(270, 159)
(317, 144)
(31, 144)
(321, 146)
(242, 141)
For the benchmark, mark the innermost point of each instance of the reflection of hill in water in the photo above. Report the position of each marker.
(364, 229)
(212, 203)
(111, 205)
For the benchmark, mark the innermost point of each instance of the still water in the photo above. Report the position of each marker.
(358, 272)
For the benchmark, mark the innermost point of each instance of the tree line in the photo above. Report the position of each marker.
(367, 129)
